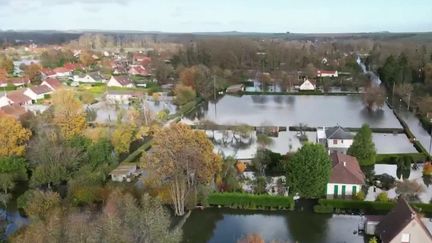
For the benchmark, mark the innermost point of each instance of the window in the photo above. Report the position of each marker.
(342, 141)
(405, 238)
(334, 141)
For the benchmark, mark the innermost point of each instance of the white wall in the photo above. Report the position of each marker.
(348, 188)
(346, 143)
(307, 85)
(113, 83)
(33, 95)
(4, 101)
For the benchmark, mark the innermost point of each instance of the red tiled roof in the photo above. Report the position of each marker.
(47, 72)
(123, 80)
(18, 97)
(72, 66)
(20, 80)
(41, 89)
(346, 170)
(54, 83)
(140, 70)
(14, 110)
(61, 70)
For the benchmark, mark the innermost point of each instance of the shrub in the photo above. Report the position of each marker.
(250, 201)
(382, 197)
(323, 209)
(393, 158)
(370, 207)
(359, 196)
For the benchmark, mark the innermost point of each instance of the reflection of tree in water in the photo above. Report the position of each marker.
(310, 228)
(290, 99)
(259, 99)
(372, 115)
(201, 224)
(278, 99)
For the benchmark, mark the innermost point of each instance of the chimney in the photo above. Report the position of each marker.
(344, 163)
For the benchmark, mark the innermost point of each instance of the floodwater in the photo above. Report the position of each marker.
(424, 196)
(108, 112)
(224, 225)
(416, 128)
(291, 110)
(287, 142)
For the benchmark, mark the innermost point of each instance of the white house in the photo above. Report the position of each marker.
(38, 92)
(307, 85)
(62, 72)
(346, 177)
(90, 78)
(123, 173)
(120, 81)
(335, 138)
(328, 74)
(15, 98)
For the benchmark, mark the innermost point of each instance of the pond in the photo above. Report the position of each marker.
(291, 110)
(108, 112)
(286, 142)
(226, 225)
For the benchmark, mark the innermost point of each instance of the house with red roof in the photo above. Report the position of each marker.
(52, 83)
(16, 97)
(47, 73)
(38, 92)
(62, 72)
(138, 70)
(120, 81)
(16, 111)
(142, 59)
(15, 81)
(328, 74)
(346, 178)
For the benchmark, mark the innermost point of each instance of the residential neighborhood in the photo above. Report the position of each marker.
(119, 126)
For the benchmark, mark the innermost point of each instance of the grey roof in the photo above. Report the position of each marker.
(338, 133)
(96, 76)
(398, 218)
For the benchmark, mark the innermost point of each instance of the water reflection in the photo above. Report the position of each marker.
(225, 225)
(277, 110)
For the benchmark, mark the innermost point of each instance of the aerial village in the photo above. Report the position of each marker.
(243, 129)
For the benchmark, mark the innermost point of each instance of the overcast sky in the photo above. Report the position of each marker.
(317, 16)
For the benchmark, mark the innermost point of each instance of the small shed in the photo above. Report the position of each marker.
(124, 172)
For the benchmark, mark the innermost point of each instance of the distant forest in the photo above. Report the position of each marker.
(11, 38)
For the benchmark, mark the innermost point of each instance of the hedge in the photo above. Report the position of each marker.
(331, 205)
(392, 158)
(132, 157)
(250, 201)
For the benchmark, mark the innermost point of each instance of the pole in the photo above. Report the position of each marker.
(409, 101)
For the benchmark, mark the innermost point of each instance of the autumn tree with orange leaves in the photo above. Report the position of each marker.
(69, 115)
(13, 137)
(182, 159)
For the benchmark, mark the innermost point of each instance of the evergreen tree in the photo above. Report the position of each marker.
(308, 172)
(363, 147)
